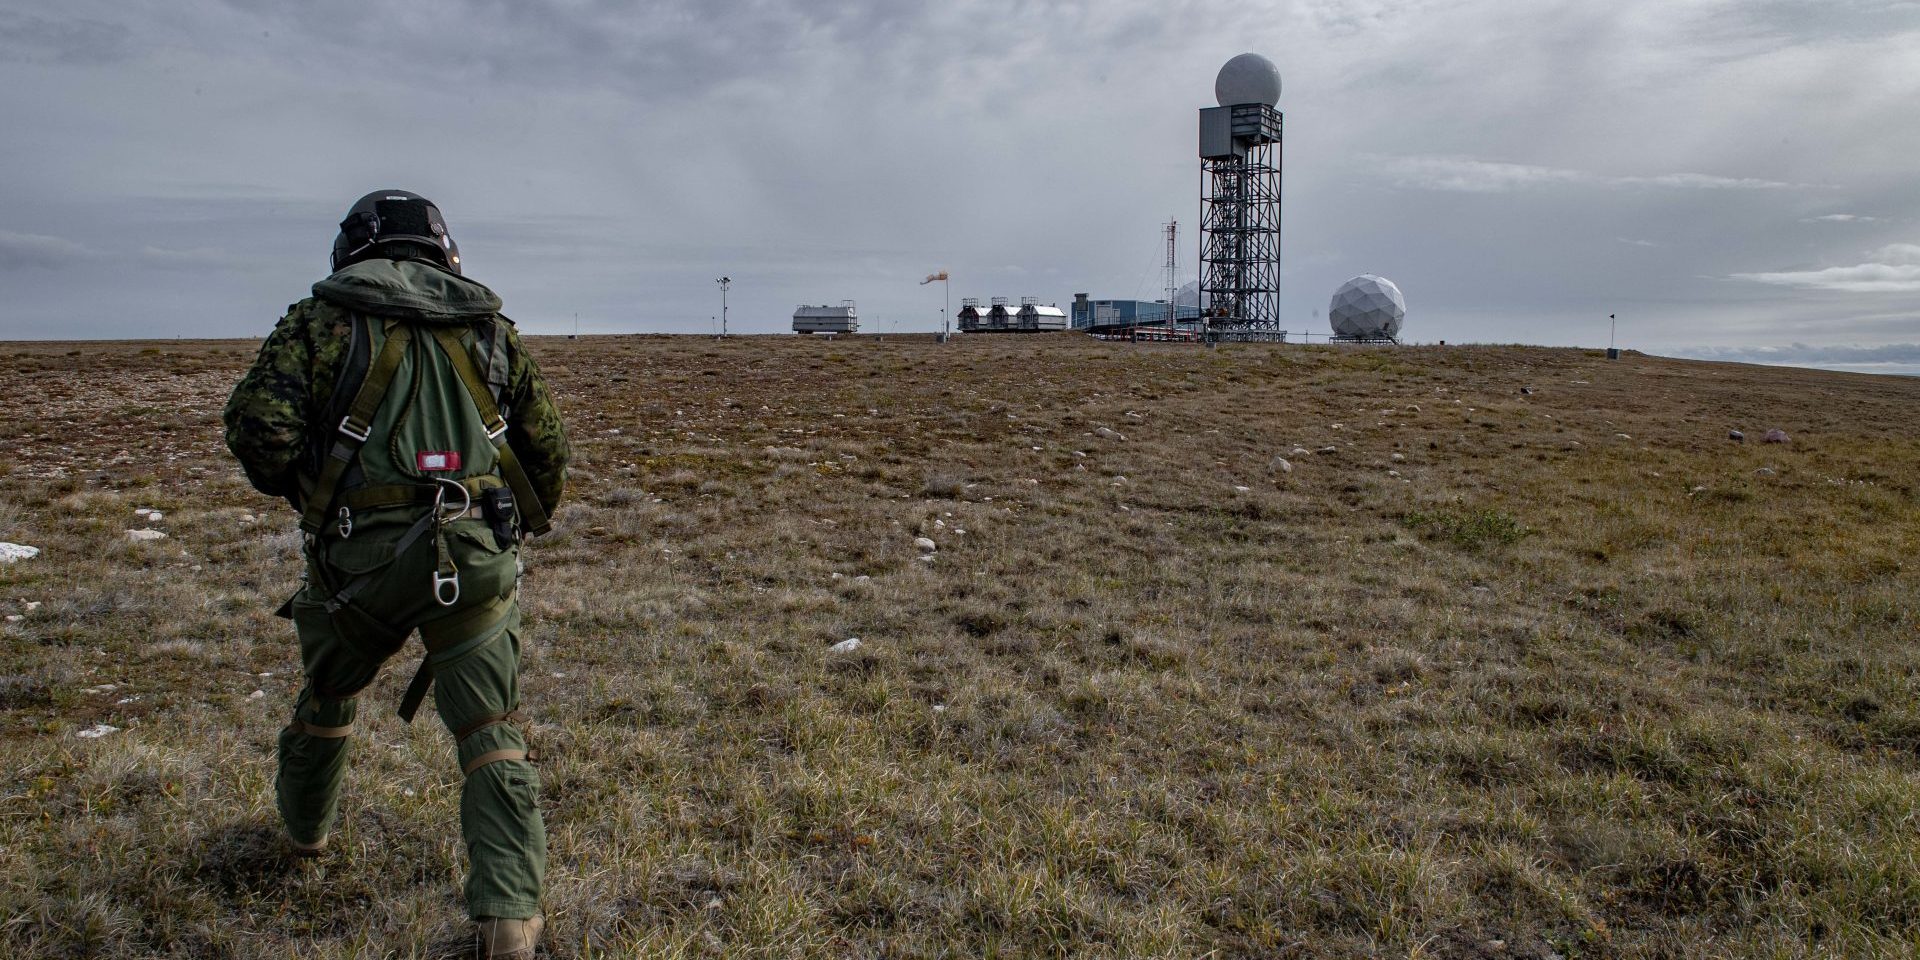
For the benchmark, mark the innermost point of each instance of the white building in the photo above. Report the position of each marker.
(825, 319)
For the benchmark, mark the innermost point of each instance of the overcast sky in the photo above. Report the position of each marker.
(1727, 177)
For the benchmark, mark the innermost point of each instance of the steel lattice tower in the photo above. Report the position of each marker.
(1240, 220)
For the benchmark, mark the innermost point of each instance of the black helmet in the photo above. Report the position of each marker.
(395, 224)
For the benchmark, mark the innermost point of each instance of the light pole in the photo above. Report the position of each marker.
(724, 283)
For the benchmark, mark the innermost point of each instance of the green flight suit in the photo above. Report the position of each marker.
(281, 420)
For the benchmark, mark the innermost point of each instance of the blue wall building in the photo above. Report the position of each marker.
(1100, 314)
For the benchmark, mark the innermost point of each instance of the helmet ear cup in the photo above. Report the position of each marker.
(360, 227)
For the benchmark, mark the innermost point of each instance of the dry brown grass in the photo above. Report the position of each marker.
(1486, 674)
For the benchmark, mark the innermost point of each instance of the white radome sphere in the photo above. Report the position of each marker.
(1247, 78)
(1368, 308)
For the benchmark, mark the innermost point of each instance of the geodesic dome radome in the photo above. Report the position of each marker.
(1367, 308)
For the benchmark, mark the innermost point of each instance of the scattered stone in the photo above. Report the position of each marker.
(1765, 472)
(1624, 436)
(149, 514)
(1399, 457)
(1108, 433)
(1329, 449)
(1300, 452)
(33, 605)
(256, 695)
(1776, 435)
(96, 731)
(1526, 391)
(1393, 473)
(925, 544)
(11, 552)
(15, 618)
(248, 518)
(939, 708)
(1281, 464)
(145, 534)
(848, 645)
(1736, 436)
(1242, 489)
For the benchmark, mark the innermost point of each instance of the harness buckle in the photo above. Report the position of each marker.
(440, 584)
(494, 432)
(358, 433)
(346, 523)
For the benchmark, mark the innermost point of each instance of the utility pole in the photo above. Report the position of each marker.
(724, 283)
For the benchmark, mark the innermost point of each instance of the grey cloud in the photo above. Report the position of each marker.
(1896, 269)
(191, 257)
(31, 39)
(18, 250)
(1839, 218)
(1474, 175)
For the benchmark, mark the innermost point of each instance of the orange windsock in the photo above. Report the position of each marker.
(931, 277)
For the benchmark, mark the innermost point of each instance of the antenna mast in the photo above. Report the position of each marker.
(1173, 281)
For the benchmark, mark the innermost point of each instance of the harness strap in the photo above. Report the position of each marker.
(533, 514)
(495, 756)
(324, 733)
(354, 428)
(408, 494)
(446, 634)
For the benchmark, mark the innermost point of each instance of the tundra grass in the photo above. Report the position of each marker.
(1475, 672)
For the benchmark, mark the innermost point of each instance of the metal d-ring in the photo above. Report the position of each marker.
(440, 585)
(440, 500)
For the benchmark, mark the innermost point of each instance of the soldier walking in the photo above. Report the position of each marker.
(398, 412)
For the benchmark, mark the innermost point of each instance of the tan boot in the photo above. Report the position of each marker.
(308, 851)
(509, 939)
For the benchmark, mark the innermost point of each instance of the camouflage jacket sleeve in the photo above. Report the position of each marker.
(533, 426)
(268, 415)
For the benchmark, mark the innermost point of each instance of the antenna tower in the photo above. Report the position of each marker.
(1173, 282)
(1240, 203)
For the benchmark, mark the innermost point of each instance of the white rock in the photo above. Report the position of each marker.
(939, 708)
(96, 731)
(925, 544)
(1242, 489)
(1108, 433)
(149, 514)
(145, 533)
(1281, 464)
(848, 645)
(248, 518)
(10, 552)
(33, 605)
(256, 695)
(14, 618)
(1399, 457)
(1393, 473)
